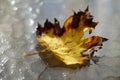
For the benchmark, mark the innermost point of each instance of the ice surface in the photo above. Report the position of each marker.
(18, 19)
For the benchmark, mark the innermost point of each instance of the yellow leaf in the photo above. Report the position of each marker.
(68, 43)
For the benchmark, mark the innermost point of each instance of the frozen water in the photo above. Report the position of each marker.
(18, 19)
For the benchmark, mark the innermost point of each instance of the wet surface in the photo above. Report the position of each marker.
(18, 20)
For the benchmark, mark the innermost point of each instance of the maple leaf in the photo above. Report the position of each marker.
(68, 44)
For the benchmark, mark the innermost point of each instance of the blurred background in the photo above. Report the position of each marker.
(18, 20)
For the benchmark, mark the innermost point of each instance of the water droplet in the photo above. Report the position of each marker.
(41, 4)
(3, 60)
(12, 2)
(30, 9)
(29, 22)
(64, 74)
(15, 8)
(37, 10)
